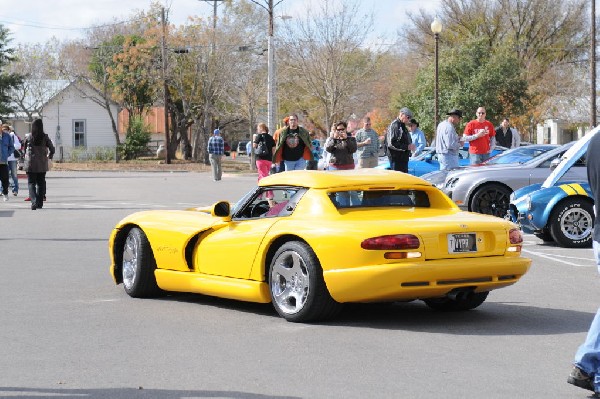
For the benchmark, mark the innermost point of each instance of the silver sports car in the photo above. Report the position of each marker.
(487, 189)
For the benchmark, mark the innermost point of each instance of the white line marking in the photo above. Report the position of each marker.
(553, 257)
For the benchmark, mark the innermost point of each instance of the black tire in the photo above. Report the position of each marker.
(571, 223)
(491, 199)
(138, 266)
(544, 235)
(297, 287)
(467, 302)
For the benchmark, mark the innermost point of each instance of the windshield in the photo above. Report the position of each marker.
(519, 155)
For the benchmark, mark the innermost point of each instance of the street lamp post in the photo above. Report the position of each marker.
(436, 28)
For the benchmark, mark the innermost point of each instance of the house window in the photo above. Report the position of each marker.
(79, 133)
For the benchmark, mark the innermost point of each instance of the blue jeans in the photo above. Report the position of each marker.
(448, 161)
(12, 172)
(478, 158)
(587, 357)
(295, 165)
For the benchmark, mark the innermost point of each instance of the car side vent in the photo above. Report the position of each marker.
(415, 284)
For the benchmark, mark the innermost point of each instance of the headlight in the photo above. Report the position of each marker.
(528, 203)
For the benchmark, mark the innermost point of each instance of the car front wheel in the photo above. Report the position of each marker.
(298, 291)
(138, 266)
(571, 223)
(491, 199)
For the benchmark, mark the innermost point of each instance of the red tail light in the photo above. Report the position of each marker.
(515, 236)
(395, 242)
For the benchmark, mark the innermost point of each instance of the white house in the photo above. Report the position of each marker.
(77, 124)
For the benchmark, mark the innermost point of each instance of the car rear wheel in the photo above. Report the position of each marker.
(467, 301)
(491, 199)
(571, 223)
(298, 291)
(138, 266)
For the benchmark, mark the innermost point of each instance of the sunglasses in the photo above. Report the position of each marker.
(341, 130)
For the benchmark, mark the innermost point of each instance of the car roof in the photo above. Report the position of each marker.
(336, 179)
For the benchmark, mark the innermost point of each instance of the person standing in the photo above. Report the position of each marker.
(6, 149)
(447, 142)
(398, 141)
(216, 150)
(480, 134)
(507, 136)
(341, 147)
(367, 141)
(38, 151)
(293, 146)
(12, 163)
(263, 145)
(586, 367)
(417, 136)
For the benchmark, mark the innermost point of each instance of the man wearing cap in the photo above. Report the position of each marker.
(447, 142)
(216, 150)
(481, 135)
(417, 137)
(398, 141)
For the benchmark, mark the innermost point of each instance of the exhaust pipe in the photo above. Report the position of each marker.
(460, 294)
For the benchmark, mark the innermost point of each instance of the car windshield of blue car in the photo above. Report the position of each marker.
(379, 198)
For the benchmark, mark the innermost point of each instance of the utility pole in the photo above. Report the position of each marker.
(166, 87)
(593, 66)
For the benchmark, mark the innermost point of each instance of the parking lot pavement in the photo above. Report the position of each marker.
(537, 249)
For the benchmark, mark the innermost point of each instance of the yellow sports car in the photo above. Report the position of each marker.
(309, 241)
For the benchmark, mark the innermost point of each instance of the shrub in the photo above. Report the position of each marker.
(137, 139)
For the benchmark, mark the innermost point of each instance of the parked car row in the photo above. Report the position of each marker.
(487, 188)
(561, 209)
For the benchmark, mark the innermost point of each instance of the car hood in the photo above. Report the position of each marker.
(569, 158)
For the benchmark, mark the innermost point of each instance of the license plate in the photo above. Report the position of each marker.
(463, 242)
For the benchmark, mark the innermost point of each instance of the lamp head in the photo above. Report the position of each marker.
(436, 26)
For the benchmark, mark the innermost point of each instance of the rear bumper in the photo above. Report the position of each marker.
(425, 279)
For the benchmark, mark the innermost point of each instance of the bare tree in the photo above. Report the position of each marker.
(325, 61)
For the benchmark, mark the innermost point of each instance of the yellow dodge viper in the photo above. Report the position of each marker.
(309, 241)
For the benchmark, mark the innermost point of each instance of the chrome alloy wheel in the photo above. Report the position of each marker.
(290, 282)
(576, 224)
(130, 260)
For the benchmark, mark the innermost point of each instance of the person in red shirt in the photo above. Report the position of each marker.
(481, 135)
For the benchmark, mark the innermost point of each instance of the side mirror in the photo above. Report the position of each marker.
(554, 163)
(221, 209)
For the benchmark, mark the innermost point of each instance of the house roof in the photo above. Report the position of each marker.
(74, 84)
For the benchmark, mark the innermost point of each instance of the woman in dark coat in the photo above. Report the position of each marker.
(38, 150)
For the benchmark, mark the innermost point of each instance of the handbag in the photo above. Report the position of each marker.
(17, 154)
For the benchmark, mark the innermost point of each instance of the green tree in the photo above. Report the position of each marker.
(8, 81)
(138, 137)
(472, 75)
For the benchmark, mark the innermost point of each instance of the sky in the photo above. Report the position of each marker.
(36, 21)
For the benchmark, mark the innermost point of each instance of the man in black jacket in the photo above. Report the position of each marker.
(398, 142)
(586, 370)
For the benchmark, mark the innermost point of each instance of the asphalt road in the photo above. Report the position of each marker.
(67, 331)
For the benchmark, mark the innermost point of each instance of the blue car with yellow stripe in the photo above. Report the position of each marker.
(559, 211)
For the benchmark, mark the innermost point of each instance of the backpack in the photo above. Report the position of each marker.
(261, 148)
